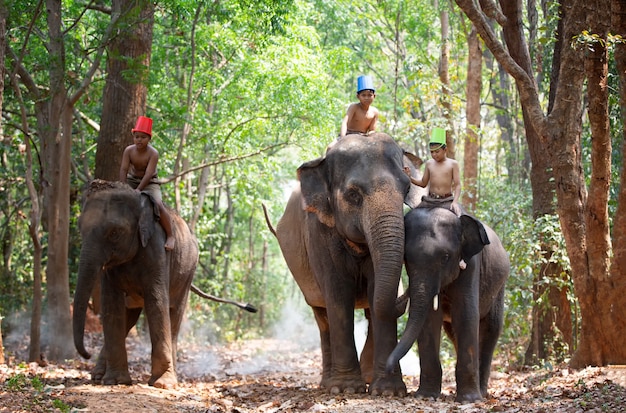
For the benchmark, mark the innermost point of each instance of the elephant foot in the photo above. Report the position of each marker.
(351, 385)
(166, 380)
(468, 397)
(426, 394)
(388, 386)
(111, 379)
(97, 373)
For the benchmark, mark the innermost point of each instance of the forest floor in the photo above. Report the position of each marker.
(282, 376)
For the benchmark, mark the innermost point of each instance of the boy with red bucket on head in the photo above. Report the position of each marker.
(139, 170)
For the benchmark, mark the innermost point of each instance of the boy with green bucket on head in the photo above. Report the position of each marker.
(441, 174)
(361, 117)
(139, 170)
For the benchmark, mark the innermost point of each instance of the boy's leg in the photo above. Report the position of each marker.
(166, 223)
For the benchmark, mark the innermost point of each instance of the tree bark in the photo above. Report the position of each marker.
(472, 111)
(618, 265)
(550, 309)
(444, 78)
(55, 132)
(560, 134)
(3, 32)
(125, 92)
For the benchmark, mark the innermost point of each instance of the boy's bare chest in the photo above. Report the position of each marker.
(364, 114)
(139, 160)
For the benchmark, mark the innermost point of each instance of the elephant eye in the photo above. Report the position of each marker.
(353, 197)
(445, 258)
(114, 235)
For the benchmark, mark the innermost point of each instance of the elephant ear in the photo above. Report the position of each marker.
(414, 163)
(474, 236)
(315, 190)
(147, 218)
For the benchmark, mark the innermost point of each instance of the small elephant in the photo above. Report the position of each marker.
(342, 236)
(123, 243)
(468, 303)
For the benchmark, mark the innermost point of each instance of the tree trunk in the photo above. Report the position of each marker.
(472, 111)
(55, 133)
(618, 265)
(125, 92)
(124, 97)
(444, 78)
(599, 339)
(3, 31)
(550, 311)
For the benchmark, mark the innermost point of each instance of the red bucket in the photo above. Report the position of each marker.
(144, 124)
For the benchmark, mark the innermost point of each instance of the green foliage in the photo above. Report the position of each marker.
(256, 88)
(508, 210)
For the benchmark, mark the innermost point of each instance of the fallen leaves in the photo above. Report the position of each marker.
(269, 376)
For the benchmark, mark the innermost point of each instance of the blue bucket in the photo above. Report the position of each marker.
(364, 83)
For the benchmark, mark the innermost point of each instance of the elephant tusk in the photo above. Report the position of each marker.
(436, 302)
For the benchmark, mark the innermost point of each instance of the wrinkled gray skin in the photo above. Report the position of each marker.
(470, 302)
(342, 236)
(121, 236)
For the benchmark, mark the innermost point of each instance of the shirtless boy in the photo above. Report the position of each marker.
(442, 175)
(139, 170)
(361, 117)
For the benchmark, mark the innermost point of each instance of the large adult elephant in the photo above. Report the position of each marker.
(469, 303)
(342, 236)
(123, 243)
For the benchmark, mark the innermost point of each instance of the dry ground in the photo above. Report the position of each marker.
(282, 376)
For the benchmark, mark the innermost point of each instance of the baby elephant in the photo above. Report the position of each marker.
(468, 303)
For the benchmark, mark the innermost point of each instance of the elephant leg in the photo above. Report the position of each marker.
(101, 367)
(321, 317)
(385, 339)
(345, 372)
(157, 307)
(464, 314)
(429, 344)
(98, 372)
(177, 313)
(114, 328)
(490, 329)
(367, 354)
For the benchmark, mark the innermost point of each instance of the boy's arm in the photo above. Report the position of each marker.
(425, 177)
(374, 123)
(456, 182)
(346, 119)
(125, 164)
(418, 182)
(150, 170)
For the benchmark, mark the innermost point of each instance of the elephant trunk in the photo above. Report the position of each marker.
(422, 292)
(387, 249)
(87, 274)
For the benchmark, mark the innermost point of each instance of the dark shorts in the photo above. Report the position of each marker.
(153, 188)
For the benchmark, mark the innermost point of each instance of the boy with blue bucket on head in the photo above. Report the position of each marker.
(361, 117)
(441, 174)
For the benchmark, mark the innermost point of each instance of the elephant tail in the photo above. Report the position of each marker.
(267, 220)
(245, 306)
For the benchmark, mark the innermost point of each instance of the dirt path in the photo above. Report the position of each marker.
(282, 376)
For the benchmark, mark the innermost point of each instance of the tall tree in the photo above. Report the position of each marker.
(472, 111)
(54, 110)
(3, 39)
(560, 141)
(126, 89)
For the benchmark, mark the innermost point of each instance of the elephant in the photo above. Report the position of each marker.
(123, 246)
(342, 236)
(468, 303)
